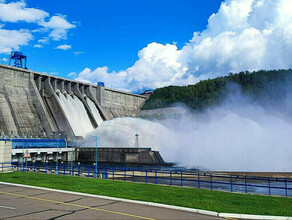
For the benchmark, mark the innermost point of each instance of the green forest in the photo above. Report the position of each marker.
(260, 86)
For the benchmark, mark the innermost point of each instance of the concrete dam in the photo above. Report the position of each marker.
(37, 105)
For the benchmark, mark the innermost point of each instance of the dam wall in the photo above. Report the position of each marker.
(117, 103)
(34, 104)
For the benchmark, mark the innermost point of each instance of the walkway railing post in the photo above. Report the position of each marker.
(88, 171)
(245, 183)
(211, 181)
(78, 169)
(133, 176)
(113, 174)
(181, 179)
(46, 167)
(286, 189)
(125, 175)
(95, 173)
(231, 184)
(155, 176)
(146, 176)
(170, 178)
(269, 182)
(199, 184)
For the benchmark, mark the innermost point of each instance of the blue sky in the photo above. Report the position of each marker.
(137, 45)
(112, 32)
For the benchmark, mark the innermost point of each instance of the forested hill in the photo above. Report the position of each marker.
(261, 85)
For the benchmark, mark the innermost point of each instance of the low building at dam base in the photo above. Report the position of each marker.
(49, 150)
(40, 150)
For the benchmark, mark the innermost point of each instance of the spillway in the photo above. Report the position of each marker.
(76, 114)
(94, 111)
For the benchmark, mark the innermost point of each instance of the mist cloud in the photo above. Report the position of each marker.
(238, 135)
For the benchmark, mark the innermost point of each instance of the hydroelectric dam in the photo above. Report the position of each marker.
(36, 106)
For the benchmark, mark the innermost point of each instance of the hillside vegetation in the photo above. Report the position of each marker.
(261, 86)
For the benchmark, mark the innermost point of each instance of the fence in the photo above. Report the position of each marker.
(203, 180)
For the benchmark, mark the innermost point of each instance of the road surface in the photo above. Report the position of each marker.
(26, 203)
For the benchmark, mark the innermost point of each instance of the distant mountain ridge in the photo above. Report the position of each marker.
(261, 86)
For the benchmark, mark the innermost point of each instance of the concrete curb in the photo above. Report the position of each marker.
(199, 211)
(245, 216)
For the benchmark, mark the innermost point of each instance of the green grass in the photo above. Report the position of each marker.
(186, 197)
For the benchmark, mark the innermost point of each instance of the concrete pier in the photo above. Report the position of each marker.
(120, 155)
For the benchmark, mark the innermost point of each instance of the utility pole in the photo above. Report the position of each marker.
(137, 140)
(57, 168)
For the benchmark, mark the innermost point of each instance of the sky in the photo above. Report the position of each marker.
(137, 45)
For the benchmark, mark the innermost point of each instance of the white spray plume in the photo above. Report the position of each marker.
(238, 135)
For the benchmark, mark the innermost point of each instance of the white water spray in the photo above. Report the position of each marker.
(236, 136)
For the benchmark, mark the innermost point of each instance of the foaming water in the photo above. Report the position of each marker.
(94, 111)
(76, 114)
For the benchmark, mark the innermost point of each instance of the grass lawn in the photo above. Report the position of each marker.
(187, 197)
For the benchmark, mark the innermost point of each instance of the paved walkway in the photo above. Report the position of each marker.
(26, 203)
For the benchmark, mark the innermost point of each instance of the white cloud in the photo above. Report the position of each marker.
(157, 66)
(72, 74)
(3, 59)
(44, 40)
(76, 53)
(63, 47)
(12, 39)
(58, 26)
(18, 11)
(38, 45)
(39, 30)
(242, 35)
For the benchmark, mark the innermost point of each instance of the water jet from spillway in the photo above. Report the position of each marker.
(230, 137)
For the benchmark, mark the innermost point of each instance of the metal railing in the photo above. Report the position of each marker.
(201, 180)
